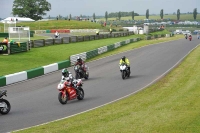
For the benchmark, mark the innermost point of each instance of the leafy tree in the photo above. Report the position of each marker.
(195, 13)
(178, 14)
(133, 15)
(161, 14)
(94, 17)
(123, 14)
(33, 9)
(147, 14)
(119, 15)
(106, 15)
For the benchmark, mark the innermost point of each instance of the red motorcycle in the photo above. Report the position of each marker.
(190, 37)
(69, 91)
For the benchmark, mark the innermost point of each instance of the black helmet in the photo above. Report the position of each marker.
(123, 58)
(79, 59)
(65, 72)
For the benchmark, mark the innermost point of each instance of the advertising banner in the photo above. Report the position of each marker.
(3, 48)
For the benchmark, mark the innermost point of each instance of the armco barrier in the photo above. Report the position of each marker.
(32, 73)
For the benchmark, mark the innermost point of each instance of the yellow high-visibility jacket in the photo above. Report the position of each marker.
(126, 62)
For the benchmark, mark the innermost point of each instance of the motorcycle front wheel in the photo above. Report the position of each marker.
(87, 76)
(62, 99)
(81, 94)
(123, 74)
(6, 109)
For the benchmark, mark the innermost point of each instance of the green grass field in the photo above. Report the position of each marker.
(58, 24)
(170, 105)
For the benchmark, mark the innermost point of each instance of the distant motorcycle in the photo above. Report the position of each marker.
(57, 36)
(80, 73)
(4, 104)
(190, 38)
(125, 73)
(186, 36)
(69, 92)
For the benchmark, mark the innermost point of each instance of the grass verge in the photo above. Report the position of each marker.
(171, 105)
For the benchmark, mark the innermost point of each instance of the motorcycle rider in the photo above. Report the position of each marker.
(56, 34)
(126, 61)
(81, 63)
(190, 37)
(66, 75)
(186, 36)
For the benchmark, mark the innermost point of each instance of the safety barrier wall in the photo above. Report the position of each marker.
(18, 47)
(32, 73)
(101, 50)
(72, 39)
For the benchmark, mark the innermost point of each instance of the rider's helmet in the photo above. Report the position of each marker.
(79, 59)
(65, 72)
(123, 58)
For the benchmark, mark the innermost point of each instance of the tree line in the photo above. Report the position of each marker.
(35, 9)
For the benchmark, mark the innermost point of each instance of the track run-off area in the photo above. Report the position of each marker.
(35, 101)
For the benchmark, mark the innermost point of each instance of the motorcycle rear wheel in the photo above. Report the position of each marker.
(63, 99)
(81, 94)
(5, 110)
(77, 76)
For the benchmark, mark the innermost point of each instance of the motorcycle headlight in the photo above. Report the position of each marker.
(60, 86)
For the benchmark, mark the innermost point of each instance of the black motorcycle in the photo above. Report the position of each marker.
(4, 104)
(80, 73)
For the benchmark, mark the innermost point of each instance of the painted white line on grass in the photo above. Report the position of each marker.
(162, 75)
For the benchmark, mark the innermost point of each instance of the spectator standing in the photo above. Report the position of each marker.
(5, 40)
(198, 34)
(110, 30)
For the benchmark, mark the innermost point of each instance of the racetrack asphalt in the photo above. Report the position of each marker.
(35, 101)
